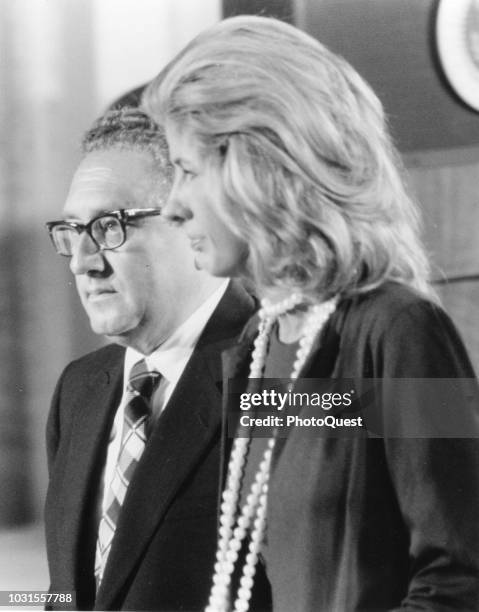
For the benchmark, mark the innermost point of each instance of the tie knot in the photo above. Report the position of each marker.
(142, 380)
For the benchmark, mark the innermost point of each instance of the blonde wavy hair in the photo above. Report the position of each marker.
(310, 176)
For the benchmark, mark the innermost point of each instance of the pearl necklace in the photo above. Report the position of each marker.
(233, 530)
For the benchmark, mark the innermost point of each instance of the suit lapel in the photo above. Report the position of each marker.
(93, 410)
(188, 427)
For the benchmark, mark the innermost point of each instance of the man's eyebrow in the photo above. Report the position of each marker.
(66, 217)
(106, 211)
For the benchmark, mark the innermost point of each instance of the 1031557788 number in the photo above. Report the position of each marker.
(39, 598)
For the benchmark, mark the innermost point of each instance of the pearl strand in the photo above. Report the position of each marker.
(275, 310)
(255, 508)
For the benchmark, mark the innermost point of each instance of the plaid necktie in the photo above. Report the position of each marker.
(141, 385)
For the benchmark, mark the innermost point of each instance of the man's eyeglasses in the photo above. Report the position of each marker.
(107, 231)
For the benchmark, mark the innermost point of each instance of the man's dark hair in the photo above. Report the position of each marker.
(126, 128)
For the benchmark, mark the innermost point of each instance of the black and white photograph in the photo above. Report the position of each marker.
(239, 304)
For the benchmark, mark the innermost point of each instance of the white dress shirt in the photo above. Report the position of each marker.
(169, 360)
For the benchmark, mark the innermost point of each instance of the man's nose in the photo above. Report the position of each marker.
(86, 256)
(176, 210)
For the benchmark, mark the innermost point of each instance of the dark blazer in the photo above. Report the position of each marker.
(360, 524)
(162, 556)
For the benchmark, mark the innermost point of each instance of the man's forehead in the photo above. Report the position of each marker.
(105, 181)
(113, 167)
(93, 177)
(90, 191)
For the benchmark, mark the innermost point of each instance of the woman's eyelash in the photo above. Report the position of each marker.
(187, 172)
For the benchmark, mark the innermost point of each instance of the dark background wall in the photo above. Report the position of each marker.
(392, 44)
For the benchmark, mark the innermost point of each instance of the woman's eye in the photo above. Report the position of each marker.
(187, 174)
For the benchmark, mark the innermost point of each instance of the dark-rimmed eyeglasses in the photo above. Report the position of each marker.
(107, 231)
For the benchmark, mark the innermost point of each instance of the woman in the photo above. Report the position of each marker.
(286, 175)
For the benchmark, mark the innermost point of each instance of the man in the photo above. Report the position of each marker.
(132, 502)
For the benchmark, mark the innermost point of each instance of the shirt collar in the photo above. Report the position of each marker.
(171, 357)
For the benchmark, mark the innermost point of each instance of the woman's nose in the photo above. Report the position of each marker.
(176, 210)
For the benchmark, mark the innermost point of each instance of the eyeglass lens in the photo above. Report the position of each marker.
(107, 233)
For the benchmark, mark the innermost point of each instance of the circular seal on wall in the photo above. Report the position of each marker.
(457, 34)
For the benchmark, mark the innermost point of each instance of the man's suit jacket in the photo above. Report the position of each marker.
(162, 556)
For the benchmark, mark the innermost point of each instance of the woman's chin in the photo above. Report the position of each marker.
(222, 269)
